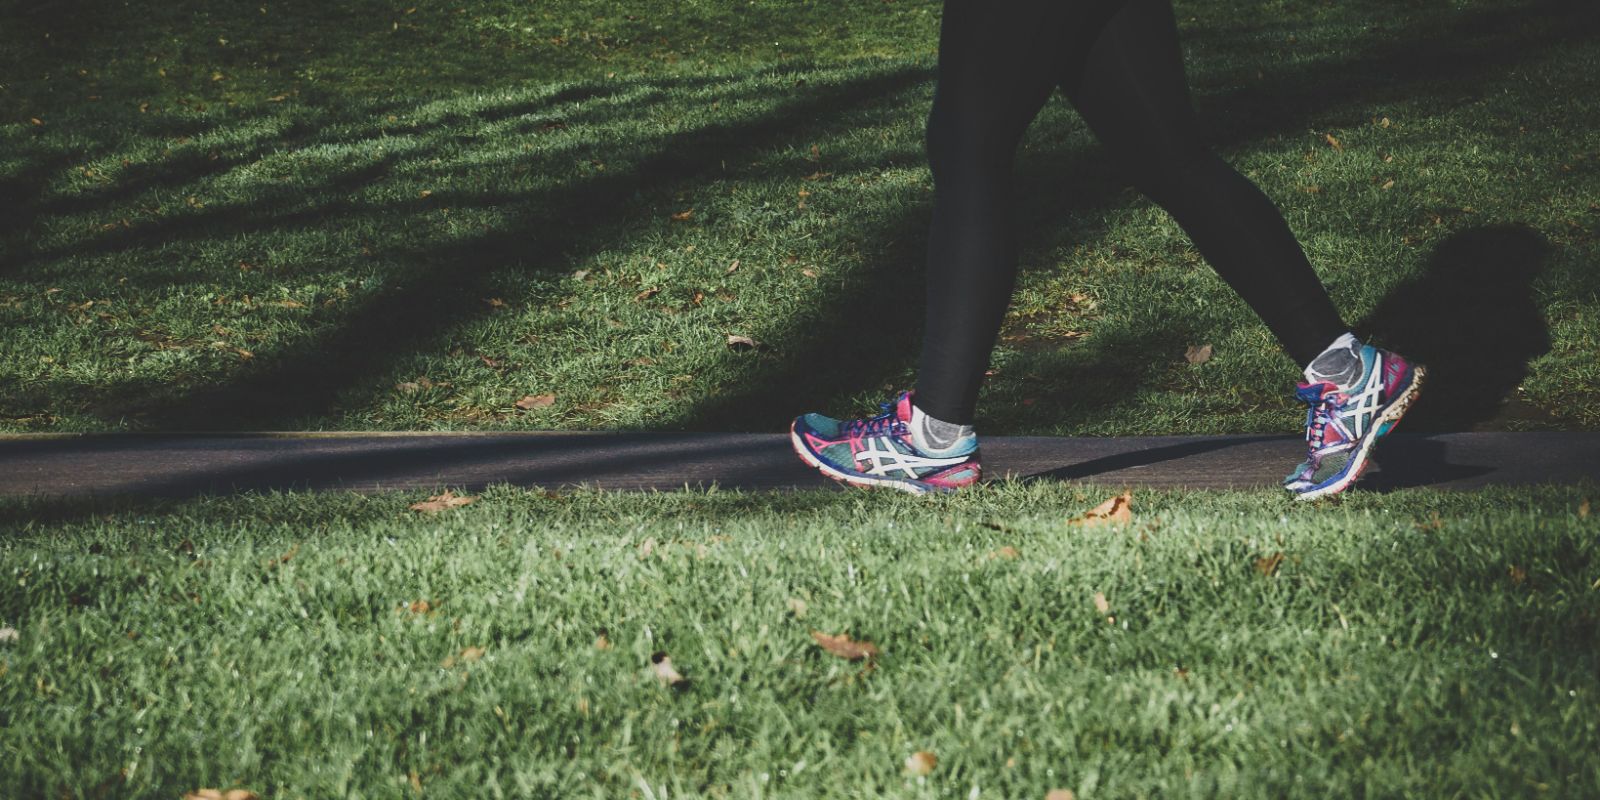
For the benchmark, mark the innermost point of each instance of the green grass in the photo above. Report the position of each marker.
(296, 215)
(1413, 644)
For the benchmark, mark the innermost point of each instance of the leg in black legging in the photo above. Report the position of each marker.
(1119, 63)
(1132, 93)
(999, 60)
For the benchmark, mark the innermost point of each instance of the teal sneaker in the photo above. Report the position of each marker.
(879, 451)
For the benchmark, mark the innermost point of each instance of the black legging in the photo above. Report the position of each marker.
(1118, 62)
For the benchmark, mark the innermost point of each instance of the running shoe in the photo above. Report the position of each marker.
(1343, 424)
(878, 451)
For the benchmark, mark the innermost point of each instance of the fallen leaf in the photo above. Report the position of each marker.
(796, 606)
(278, 98)
(288, 304)
(843, 647)
(1333, 142)
(1060, 794)
(9, 634)
(580, 275)
(809, 273)
(418, 607)
(661, 667)
(425, 193)
(683, 216)
(732, 267)
(416, 780)
(1269, 565)
(1117, 510)
(36, 120)
(647, 547)
(1518, 575)
(737, 342)
(1100, 603)
(1384, 123)
(467, 656)
(440, 502)
(1389, 184)
(1583, 509)
(494, 302)
(407, 387)
(646, 294)
(921, 763)
(601, 642)
(1197, 353)
(1007, 552)
(536, 401)
(215, 794)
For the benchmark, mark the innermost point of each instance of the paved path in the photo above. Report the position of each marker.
(189, 464)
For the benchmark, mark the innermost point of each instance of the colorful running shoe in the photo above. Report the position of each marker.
(879, 452)
(1342, 425)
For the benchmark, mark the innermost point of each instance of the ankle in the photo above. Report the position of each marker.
(933, 435)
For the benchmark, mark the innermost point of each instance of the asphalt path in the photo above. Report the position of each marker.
(181, 465)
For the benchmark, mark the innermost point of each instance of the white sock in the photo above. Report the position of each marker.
(930, 434)
(1339, 364)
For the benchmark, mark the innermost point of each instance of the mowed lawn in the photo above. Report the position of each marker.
(1220, 645)
(383, 216)
(370, 215)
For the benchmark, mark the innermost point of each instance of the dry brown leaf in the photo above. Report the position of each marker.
(408, 387)
(440, 502)
(921, 763)
(1269, 565)
(738, 342)
(536, 401)
(647, 294)
(683, 216)
(217, 794)
(1333, 142)
(416, 780)
(1389, 184)
(647, 547)
(1197, 353)
(601, 642)
(1060, 794)
(1007, 552)
(1518, 575)
(843, 647)
(796, 606)
(467, 656)
(1117, 510)
(809, 273)
(1100, 603)
(418, 607)
(661, 667)
(1583, 509)
(732, 267)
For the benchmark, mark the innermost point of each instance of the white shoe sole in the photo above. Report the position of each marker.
(855, 479)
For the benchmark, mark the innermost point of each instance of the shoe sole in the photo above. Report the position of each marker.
(857, 479)
(1391, 416)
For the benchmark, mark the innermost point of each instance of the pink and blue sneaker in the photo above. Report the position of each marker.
(879, 451)
(1343, 423)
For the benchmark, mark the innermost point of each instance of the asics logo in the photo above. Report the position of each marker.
(878, 457)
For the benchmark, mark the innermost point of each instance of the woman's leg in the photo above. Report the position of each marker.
(1132, 93)
(999, 60)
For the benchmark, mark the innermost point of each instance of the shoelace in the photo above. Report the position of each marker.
(1322, 410)
(885, 423)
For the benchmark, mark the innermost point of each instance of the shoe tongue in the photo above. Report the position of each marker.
(902, 407)
(1313, 392)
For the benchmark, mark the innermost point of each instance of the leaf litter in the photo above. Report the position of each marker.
(1117, 510)
(844, 647)
(440, 502)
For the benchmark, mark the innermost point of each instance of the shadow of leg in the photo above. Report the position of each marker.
(1471, 318)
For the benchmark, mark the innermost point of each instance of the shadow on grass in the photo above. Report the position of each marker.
(836, 353)
(1472, 319)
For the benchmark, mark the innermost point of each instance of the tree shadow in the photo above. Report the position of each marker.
(835, 350)
(1471, 317)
